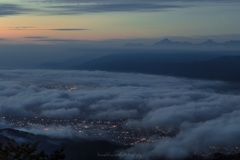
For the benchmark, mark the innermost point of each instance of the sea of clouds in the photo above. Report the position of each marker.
(205, 112)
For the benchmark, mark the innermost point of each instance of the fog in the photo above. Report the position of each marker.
(205, 112)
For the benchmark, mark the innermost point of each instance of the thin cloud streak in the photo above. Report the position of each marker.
(22, 28)
(3, 39)
(36, 37)
(13, 9)
(69, 29)
(133, 1)
(136, 7)
(57, 40)
(73, 7)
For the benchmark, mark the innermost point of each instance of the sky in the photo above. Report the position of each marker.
(32, 33)
(42, 21)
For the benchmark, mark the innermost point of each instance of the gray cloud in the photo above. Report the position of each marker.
(51, 40)
(58, 40)
(195, 138)
(12, 9)
(118, 93)
(69, 29)
(84, 98)
(75, 9)
(36, 37)
(64, 7)
(22, 28)
(132, 1)
(3, 39)
(204, 115)
(53, 29)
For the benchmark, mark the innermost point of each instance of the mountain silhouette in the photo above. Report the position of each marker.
(134, 45)
(206, 44)
(74, 149)
(165, 41)
(232, 43)
(168, 43)
(209, 42)
(226, 68)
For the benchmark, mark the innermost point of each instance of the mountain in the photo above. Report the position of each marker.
(232, 44)
(168, 43)
(74, 149)
(206, 44)
(47, 144)
(134, 45)
(140, 62)
(226, 68)
(68, 62)
(209, 43)
(165, 42)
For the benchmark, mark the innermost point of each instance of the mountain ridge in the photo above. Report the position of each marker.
(226, 68)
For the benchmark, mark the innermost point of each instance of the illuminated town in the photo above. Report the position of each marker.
(117, 131)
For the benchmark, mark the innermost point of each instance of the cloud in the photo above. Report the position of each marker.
(76, 9)
(52, 29)
(23, 28)
(65, 7)
(3, 39)
(72, 7)
(205, 113)
(44, 93)
(81, 6)
(4, 124)
(36, 37)
(195, 139)
(132, 1)
(58, 40)
(119, 93)
(51, 40)
(12, 9)
(69, 29)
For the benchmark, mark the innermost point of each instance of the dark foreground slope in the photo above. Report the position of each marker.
(226, 68)
(74, 149)
(79, 149)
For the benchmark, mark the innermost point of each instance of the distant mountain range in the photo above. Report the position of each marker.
(170, 44)
(134, 45)
(167, 42)
(226, 68)
(199, 65)
(208, 43)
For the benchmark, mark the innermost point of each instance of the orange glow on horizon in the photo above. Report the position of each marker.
(17, 27)
(73, 35)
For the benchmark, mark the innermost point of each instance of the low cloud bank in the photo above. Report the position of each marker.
(205, 112)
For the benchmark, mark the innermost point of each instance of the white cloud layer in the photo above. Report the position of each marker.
(206, 112)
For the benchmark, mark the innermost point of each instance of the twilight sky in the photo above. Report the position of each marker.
(22, 21)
